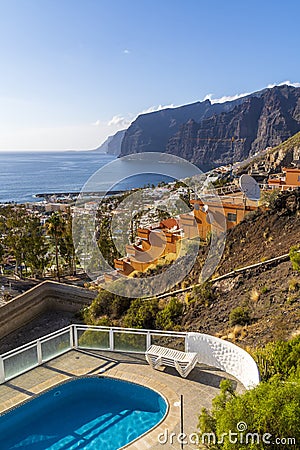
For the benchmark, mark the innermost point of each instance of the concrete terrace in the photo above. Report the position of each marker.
(198, 389)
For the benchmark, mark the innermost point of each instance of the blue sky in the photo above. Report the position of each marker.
(75, 71)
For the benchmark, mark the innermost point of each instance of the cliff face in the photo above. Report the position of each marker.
(112, 145)
(223, 138)
(214, 134)
(151, 132)
(257, 123)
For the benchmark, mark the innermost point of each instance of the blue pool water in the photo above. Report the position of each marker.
(87, 413)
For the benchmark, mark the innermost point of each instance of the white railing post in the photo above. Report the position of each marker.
(75, 336)
(39, 352)
(111, 339)
(148, 339)
(186, 343)
(71, 335)
(2, 371)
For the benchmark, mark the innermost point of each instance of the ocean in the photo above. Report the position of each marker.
(25, 174)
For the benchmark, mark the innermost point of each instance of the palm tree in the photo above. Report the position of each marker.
(2, 254)
(55, 229)
(13, 227)
(35, 246)
(67, 249)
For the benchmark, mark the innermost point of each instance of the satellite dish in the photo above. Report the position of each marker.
(205, 208)
(249, 187)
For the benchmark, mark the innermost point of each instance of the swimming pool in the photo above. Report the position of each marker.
(87, 413)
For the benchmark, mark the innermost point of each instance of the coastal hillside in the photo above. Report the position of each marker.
(251, 307)
(270, 294)
(214, 134)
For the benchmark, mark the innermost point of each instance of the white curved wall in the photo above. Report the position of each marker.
(224, 355)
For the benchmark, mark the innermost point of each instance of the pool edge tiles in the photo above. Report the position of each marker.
(151, 386)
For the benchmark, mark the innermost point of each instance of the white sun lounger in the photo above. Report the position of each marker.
(183, 362)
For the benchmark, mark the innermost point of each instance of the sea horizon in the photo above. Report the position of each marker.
(25, 174)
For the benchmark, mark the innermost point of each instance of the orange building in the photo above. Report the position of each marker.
(152, 243)
(220, 215)
(289, 180)
(163, 238)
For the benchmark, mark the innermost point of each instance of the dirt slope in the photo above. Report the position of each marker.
(271, 294)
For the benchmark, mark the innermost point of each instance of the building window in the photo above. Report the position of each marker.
(298, 177)
(231, 217)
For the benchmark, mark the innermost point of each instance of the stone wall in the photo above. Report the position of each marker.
(48, 295)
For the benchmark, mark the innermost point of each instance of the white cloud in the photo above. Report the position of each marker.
(122, 122)
(207, 97)
(97, 123)
(229, 98)
(119, 121)
(126, 51)
(225, 98)
(282, 83)
(156, 108)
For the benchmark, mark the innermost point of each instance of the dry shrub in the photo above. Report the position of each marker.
(238, 333)
(254, 295)
(295, 334)
(294, 285)
(187, 298)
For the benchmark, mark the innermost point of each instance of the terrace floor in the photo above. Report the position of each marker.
(198, 389)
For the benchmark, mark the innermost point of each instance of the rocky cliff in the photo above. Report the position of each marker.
(151, 132)
(112, 145)
(286, 154)
(214, 134)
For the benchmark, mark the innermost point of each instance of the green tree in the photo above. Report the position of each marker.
(268, 198)
(2, 256)
(170, 315)
(55, 227)
(271, 407)
(239, 316)
(66, 246)
(105, 242)
(13, 221)
(294, 254)
(142, 313)
(106, 304)
(280, 359)
(35, 250)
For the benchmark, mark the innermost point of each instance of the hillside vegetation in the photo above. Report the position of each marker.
(271, 409)
(252, 308)
(269, 294)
